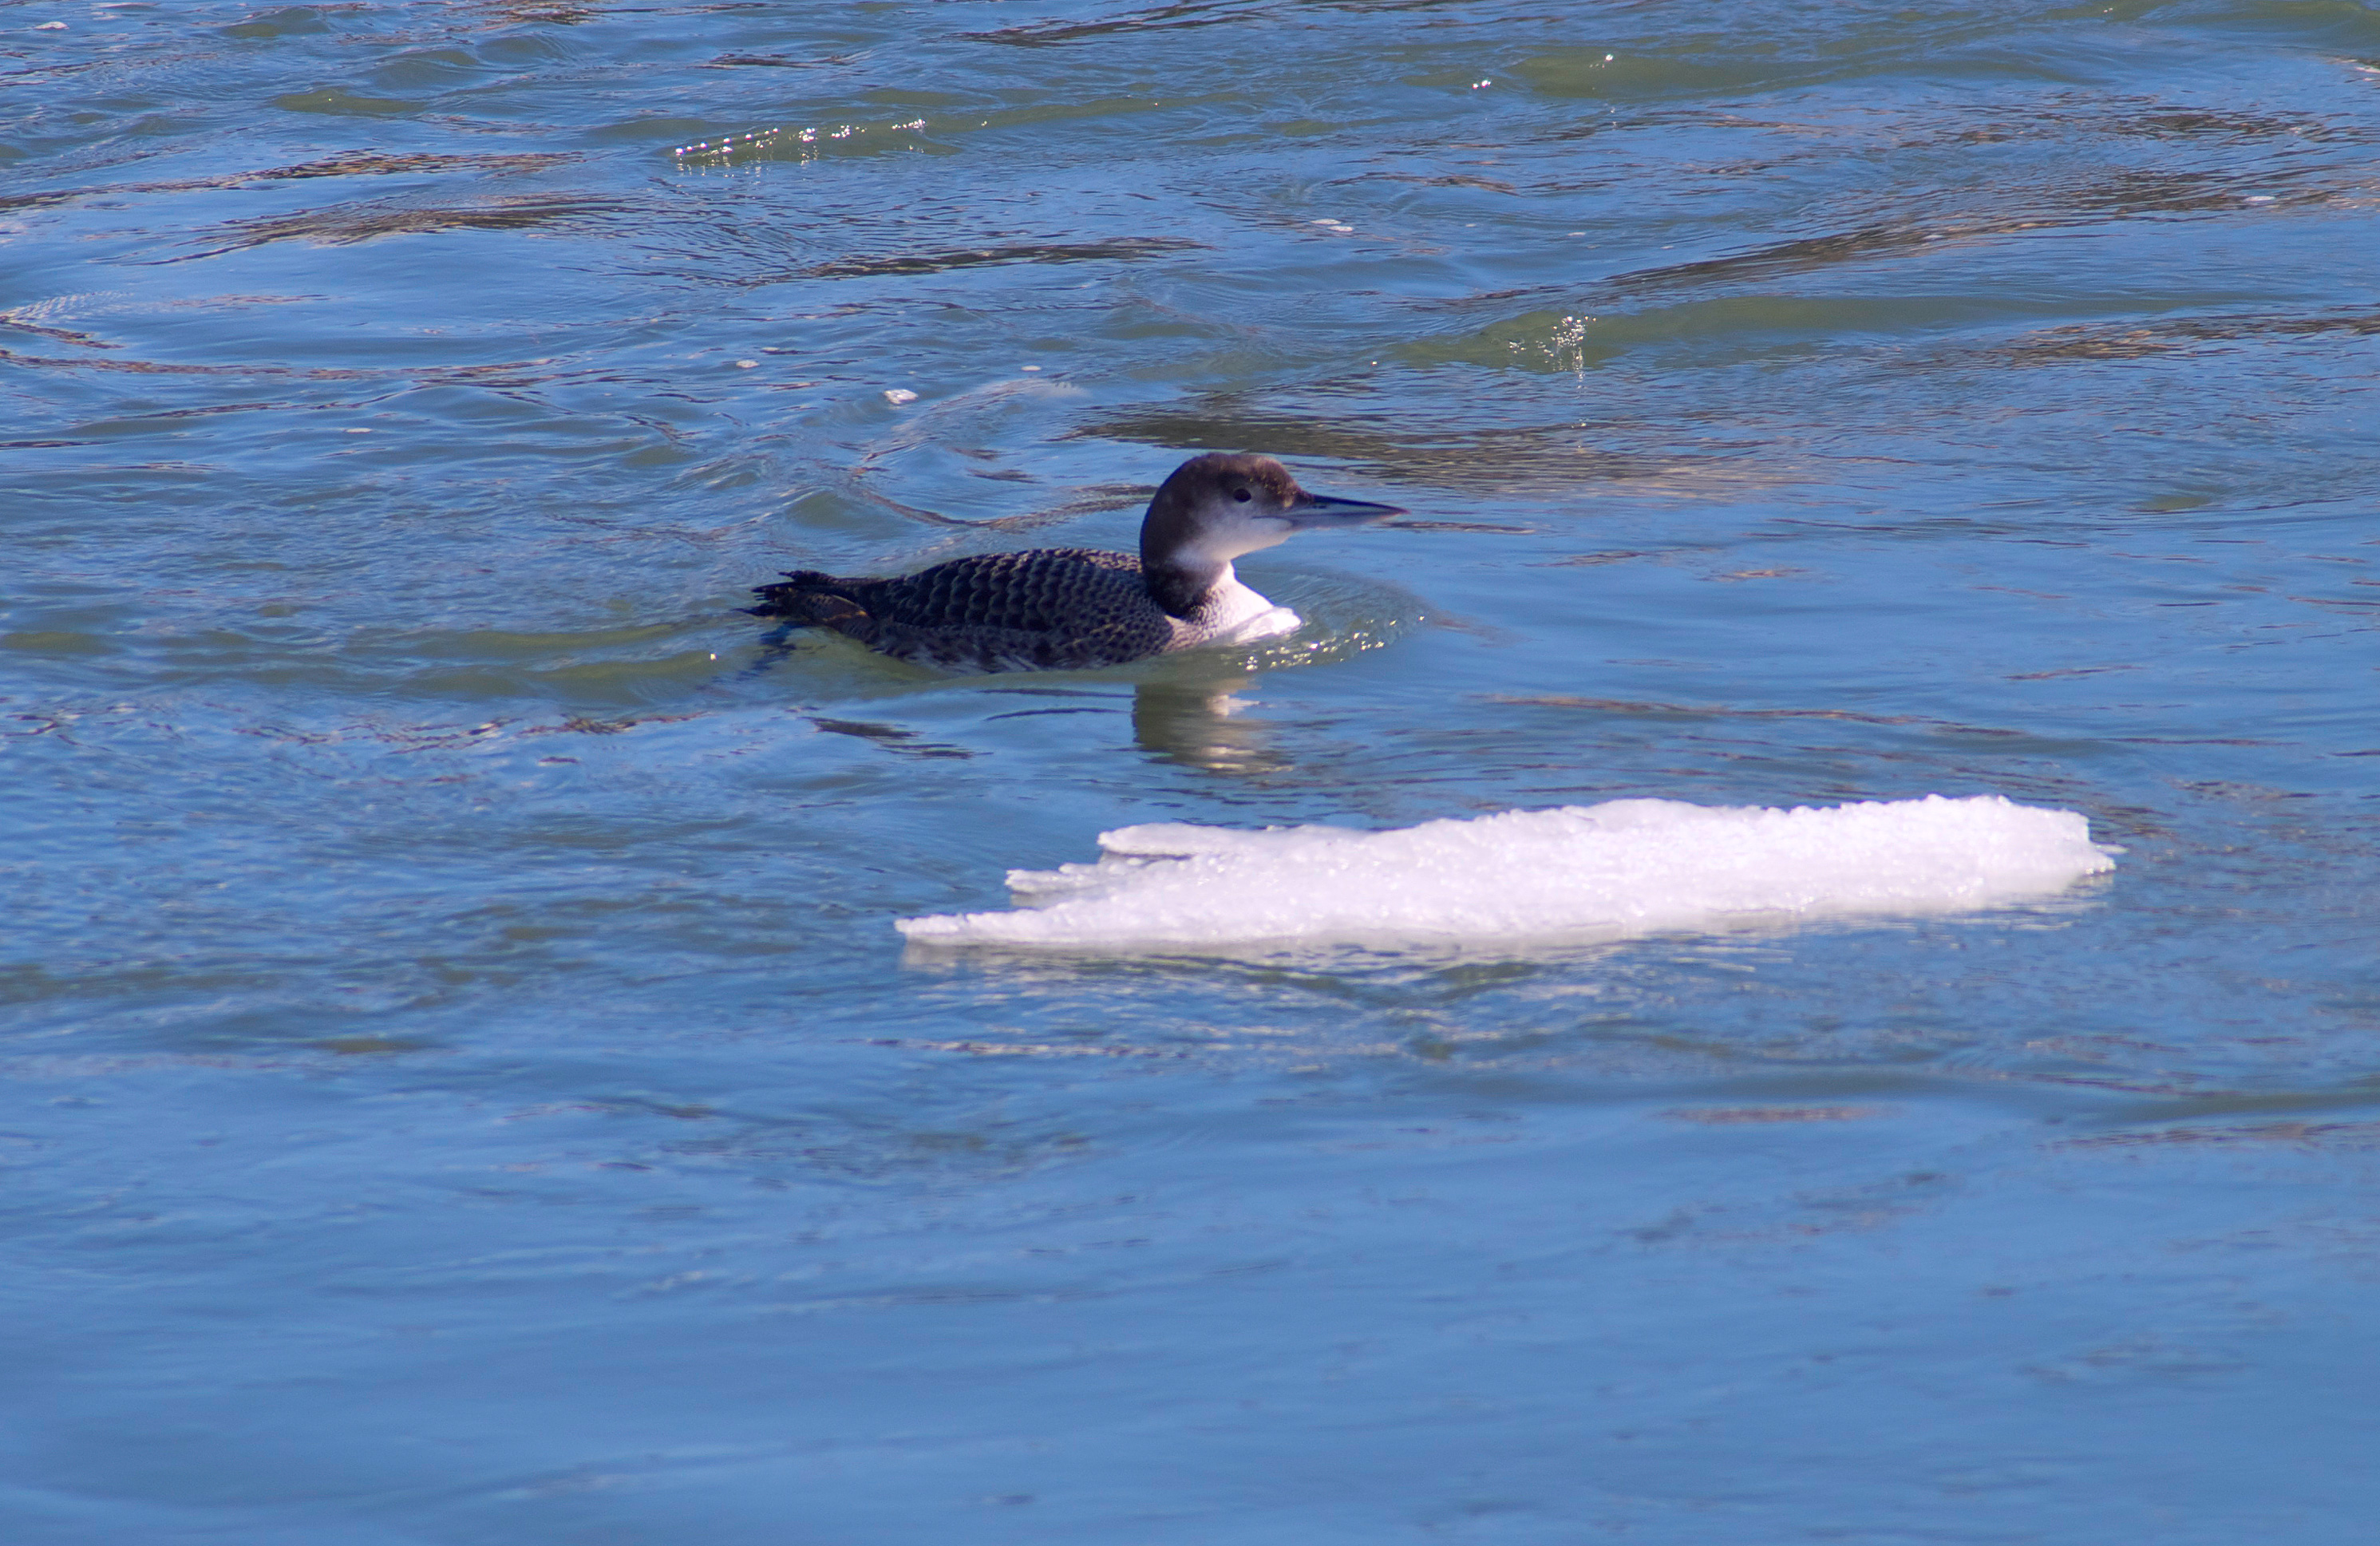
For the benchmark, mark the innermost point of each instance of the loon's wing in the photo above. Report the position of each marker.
(1046, 591)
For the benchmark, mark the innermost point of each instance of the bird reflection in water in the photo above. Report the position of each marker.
(1201, 722)
(1193, 719)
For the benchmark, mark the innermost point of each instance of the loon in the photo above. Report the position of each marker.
(1069, 608)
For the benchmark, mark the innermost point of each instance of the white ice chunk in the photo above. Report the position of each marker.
(1625, 868)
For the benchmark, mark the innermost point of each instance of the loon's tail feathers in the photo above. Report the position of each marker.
(807, 598)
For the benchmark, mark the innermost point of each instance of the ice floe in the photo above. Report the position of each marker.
(1611, 871)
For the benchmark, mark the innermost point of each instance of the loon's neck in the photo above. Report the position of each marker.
(1183, 586)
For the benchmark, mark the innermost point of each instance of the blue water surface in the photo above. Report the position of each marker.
(463, 1086)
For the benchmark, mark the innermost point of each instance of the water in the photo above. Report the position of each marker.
(465, 1084)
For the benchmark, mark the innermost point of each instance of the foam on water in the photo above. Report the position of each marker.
(1624, 867)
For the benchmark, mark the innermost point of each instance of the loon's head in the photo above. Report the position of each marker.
(1217, 506)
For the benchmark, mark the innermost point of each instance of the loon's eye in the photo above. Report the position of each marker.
(1241, 496)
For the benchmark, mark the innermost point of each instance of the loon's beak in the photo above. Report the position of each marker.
(1321, 509)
